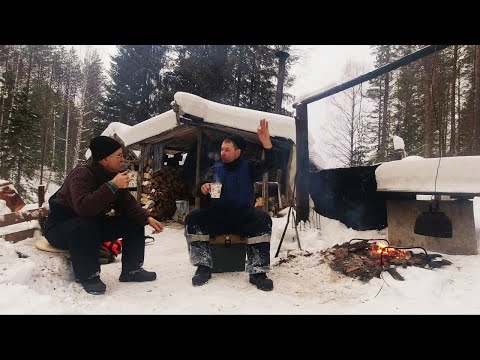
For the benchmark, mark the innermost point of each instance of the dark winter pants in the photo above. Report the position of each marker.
(82, 236)
(255, 225)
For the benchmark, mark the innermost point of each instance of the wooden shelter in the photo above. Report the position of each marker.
(171, 151)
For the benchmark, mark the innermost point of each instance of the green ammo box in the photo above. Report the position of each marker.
(228, 253)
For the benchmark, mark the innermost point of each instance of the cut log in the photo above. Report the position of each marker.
(20, 235)
(18, 217)
(12, 199)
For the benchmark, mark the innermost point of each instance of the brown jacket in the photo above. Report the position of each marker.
(85, 191)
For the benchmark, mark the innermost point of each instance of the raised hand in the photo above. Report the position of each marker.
(263, 134)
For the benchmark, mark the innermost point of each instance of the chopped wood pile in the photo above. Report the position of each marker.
(366, 259)
(161, 189)
(272, 205)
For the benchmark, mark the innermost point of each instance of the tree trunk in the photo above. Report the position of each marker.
(453, 81)
(29, 70)
(18, 176)
(352, 128)
(67, 127)
(379, 129)
(459, 147)
(3, 89)
(82, 111)
(45, 125)
(476, 103)
(238, 77)
(383, 142)
(427, 74)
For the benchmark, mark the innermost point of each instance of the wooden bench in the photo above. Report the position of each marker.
(228, 253)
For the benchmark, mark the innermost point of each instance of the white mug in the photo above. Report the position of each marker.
(215, 190)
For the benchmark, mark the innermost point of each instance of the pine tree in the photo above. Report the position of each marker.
(90, 98)
(376, 94)
(133, 94)
(237, 75)
(21, 147)
(408, 100)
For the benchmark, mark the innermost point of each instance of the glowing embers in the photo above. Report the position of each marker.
(368, 258)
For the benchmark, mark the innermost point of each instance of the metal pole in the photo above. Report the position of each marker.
(301, 122)
(427, 50)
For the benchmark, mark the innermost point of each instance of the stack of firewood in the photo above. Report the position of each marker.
(272, 205)
(161, 189)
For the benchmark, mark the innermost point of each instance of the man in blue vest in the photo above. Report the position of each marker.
(232, 211)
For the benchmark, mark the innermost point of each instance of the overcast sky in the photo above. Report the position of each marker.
(321, 66)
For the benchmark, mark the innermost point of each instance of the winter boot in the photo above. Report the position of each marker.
(94, 286)
(139, 275)
(261, 281)
(202, 275)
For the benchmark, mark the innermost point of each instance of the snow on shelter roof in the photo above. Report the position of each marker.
(211, 112)
(235, 117)
(456, 175)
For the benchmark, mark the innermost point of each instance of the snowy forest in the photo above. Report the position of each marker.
(52, 102)
(432, 103)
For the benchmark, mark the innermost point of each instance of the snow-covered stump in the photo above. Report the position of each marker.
(401, 216)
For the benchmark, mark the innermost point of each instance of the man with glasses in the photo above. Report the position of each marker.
(78, 220)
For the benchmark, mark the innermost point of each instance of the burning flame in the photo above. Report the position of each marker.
(381, 248)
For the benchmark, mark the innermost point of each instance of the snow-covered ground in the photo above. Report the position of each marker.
(42, 283)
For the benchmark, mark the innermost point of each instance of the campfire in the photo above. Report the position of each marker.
(368, 258)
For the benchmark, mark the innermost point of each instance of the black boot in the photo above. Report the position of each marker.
(94, 286)
(139, 275)
(202, 275)
(261, 281)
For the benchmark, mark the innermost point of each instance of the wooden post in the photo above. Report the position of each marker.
(302, 201)
(197, 168)
(141, 166)
(265, 187)
(41, 200)
(158, 153)
(282, 58)
(279, 188)
(41, 195)
(288, 183)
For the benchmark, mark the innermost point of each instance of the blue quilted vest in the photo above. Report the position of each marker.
(237, 190)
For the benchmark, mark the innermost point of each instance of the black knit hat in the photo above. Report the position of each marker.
(239, 141)
(102, 146)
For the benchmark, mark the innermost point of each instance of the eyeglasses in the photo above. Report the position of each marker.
(117, 156)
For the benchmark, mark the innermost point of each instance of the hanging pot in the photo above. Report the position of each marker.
(433, 223)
